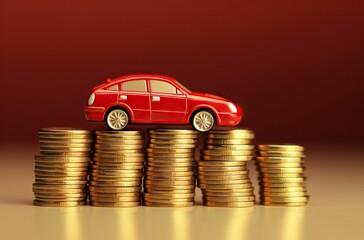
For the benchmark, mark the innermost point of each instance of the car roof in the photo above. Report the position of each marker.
(139, 76)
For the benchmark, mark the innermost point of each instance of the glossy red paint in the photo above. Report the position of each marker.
(158, 99)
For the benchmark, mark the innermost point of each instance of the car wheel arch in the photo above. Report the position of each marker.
(204, 108)
(126, 109)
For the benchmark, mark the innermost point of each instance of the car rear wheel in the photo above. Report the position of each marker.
(117, 119)
(203, 121)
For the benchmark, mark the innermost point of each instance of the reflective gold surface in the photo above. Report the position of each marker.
(336, 210)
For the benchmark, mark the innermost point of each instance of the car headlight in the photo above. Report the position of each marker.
(91, 99)
(232, 107)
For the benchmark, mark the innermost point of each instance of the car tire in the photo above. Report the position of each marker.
(117, 119)
(203, 120)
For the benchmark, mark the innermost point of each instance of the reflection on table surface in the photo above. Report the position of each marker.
(197, 222)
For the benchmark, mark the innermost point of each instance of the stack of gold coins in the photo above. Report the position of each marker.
(222, 172)
(61, 169)
(170, 172)
(117, 169)
(281, 175)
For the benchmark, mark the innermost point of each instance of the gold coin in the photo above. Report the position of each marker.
(281, 148)
(115, 184)
(68, 199)
(174, 204)
(287, 204)
(169, 191)
(169, 183)
(177, 132)
(66, 137)
(169, 173)
(60, 174)
(222, 173)
(106, 148)
(214, 152)
(173, 141)
(229, 181)
(286, 199)
(280, 159)
(101, 138)
(111, 195)
(65, 141)
(246, 192)
(61, 165)
(229, 204)
(284, 194)
(229, 136)
(227, 191)
(169, 188)
(113, 174)
(229, 199)
(61, 169)
(280, 165)
(120, 142)
(171, 164)
(282, 184)
(115, 204)
(169, 195)
(60, 195)
(219, 169)
(81, 145)
(226, 158)
(118, 167)
(281, 154)
(56, 182)
(59, 204)
(117, 164)
(281, 170)
(65, 153)
(67, 178)
(233, 147)
(168, 200)
(121, 153)
(168, 146)
(228, 186)
(118, 160)
(56, 149)
(116, 179)
(172, 150)
(114, 199)
(68, 131)
(220, 163)
(169, 178)
(170, 169)
(115, 189)
(171, 155)
(55, 159)
(282, 175)
(61, 191)
(232, 132)
(223, 177)
(280, 180)
(227, 141)
(170, 136)
(284, 189)
(169, 159)
(118, 133)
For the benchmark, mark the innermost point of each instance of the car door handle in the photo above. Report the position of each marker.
(156, 99)
(123, 97)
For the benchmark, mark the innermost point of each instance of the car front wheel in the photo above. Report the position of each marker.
(117, 119)
(203, 121)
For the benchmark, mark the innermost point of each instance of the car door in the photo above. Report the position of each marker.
(135, 95)
(168, 103)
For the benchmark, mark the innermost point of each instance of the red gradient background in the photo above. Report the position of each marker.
(296, 67)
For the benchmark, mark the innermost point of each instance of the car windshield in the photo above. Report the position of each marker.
(184, 88)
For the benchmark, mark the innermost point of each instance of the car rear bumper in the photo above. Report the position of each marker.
(94, 113)
(229, 119)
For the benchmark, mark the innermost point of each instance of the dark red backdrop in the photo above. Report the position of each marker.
(295, 66)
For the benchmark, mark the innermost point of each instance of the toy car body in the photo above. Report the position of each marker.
(156, 99)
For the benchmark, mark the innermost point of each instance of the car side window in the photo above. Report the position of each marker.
(135, 85)
(162, 87)
(114, 87)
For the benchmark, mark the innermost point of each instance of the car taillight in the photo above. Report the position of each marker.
(91, 99)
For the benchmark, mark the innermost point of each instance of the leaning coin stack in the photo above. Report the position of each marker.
(170, 172)
(61, 169)
(117, 169)
(222, 173)
(281, 175)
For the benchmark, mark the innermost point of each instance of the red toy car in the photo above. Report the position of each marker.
(156, 99)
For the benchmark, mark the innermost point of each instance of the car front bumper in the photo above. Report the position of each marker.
(229, 119)
(94, 113)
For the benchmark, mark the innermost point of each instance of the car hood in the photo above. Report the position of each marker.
(210, 96)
